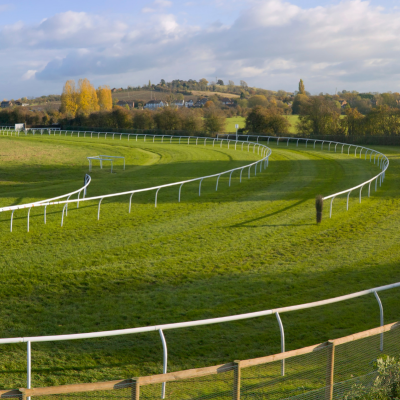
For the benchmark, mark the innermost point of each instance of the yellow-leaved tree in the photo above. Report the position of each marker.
(87, 97)
(69, 99)
(104, 97)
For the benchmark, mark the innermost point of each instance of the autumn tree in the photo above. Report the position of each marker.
(104, 98)
(87, 97)
(69, 97)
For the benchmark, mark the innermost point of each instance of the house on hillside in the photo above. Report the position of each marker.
(7, 104)
(200, 102)
(227, 102)
(123, 103)
(154, 104)
(189, 103)
(178, 103)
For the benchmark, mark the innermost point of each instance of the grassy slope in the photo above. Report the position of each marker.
(249, 247)
(231, 122)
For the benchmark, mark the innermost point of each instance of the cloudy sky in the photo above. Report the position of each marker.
(349, 44)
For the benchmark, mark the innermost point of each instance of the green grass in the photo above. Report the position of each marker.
(249, 247)
(231, 122)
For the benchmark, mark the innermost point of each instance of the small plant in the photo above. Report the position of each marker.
(319, 204)
(385, 386)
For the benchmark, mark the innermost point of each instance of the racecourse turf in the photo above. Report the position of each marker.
(244, 248)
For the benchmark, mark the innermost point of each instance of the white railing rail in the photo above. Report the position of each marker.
(179, 325)
(262, 150)
(381, 159)
(46, 202)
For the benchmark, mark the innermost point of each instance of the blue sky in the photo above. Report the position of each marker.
(350, 44)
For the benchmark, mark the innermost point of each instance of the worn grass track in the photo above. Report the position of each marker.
(245, 248)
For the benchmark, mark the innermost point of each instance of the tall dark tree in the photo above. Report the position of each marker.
(302, 90)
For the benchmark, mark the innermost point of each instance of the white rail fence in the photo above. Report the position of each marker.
(262, 150)
(380, 159)
(188, 324)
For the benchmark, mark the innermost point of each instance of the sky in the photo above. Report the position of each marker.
(330, 44)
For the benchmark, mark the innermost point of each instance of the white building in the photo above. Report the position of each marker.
(154, 104)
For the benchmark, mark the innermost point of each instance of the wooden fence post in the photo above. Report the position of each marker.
(236, 380)
(330, 371)
(135, 395)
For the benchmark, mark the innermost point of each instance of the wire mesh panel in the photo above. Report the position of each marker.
(217, 386)
(122, 393)
(362, 365)
(304, 375)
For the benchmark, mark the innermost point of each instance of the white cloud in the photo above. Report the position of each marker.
(29, 74)
(271, 44)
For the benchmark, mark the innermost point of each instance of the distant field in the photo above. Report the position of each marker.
(206, 93)
(231, 122)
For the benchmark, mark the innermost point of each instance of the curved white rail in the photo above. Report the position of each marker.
(45, 203)
(382, 161)
(261, 148)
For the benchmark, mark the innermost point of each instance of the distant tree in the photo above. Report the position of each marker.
(209, 104)
(319, 116)
(180, 97)
(298, 101)
(69, 99)
(242, 103)
(242, 95)
(168, 119)
(191, 119)
(258, 100)
(87, 97)
(162, 83)
(214, 121)
(231, 83)
(302, 90)
(104, 98)
(203, 83)
(220, 82)
(354, 121)
(263, 120)
(243, 84)
(122, 118)
(143, 119)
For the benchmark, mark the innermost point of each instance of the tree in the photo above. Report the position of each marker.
(191, 120)
(209, 104)
(87, 97)
(258, 100)
(203, 83)
(302, 90)
(143, 119)
(168, 119)
(220, 82)
(298, 102)
(243, 84)
(263, 120)
(231, 83)
(69, 97)
(104, 98)
(354, 121)
(162, 83)
(319, 116)
(214, 121)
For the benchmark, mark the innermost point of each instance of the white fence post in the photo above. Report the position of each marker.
(381, 316)
(165, 360)
(282, 341)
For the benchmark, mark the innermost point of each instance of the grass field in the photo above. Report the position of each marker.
(231, 122)
(249, 247)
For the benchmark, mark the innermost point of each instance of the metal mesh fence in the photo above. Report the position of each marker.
(218, 386)
(301, 375)
(363, 366)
